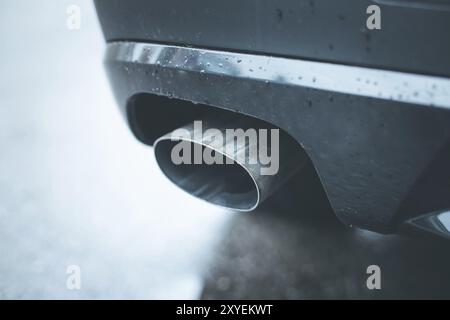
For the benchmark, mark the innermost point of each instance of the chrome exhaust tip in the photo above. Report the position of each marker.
(239, 181)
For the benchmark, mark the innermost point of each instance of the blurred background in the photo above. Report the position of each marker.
(76, 188)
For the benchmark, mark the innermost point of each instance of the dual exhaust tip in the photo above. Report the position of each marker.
(233, 162)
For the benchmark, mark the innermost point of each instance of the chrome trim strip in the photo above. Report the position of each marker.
(417, 4)
(375, 83)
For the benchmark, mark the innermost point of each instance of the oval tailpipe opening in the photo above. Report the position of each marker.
(232, 162)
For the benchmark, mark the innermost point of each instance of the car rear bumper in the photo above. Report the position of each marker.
(378, 139)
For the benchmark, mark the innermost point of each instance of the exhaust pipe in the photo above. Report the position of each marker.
(240, 177)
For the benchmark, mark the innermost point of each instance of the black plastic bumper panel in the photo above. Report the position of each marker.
(372, 135)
